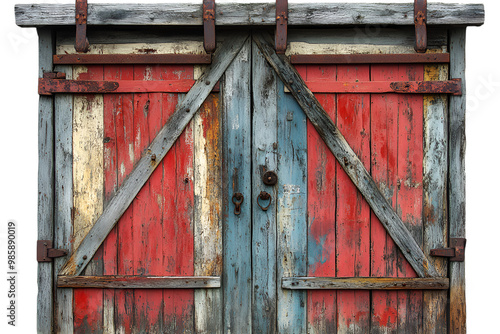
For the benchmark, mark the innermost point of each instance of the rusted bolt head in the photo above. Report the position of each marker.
(207, 82)
(85, 257)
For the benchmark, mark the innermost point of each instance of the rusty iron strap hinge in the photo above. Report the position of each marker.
(281, 26)
(455, 253)
(420, 11)
(209, 25)
(81, 11)
(45, 252)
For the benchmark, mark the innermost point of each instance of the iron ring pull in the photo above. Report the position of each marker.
(264, 196)
(237, 200)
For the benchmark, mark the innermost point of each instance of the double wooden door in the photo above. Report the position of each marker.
(306, 254)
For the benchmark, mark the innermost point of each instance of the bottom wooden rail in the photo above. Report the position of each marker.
(364, 283)
(139, 282)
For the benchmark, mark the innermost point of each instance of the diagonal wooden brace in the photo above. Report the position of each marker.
(156, 151)
(347, 158)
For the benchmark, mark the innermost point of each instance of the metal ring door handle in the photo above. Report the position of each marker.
(264, 196)
(237, 200)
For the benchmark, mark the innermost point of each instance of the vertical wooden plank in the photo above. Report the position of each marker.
(353, 213)
(456, 180)
(321, 207)
(87, 192)
(125, 158)
(292, 210)
(112, 105)
(63, 304)
(384, 165)
(237, 266)
(178, 214)
(45, 183)
(147, 207)
(208, 212)
(264, 155)
(409, 200)
(435, 174)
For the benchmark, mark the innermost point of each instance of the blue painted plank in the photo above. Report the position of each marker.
(264, 153)
(292, 206)
(237, 267)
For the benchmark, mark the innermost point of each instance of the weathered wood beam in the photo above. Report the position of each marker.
(364, 283)
(45, 184)
(380, 87)
(456, 181)
(347, 158)
(48, 86)
(138, 282)
(153, 155)
(257, 14)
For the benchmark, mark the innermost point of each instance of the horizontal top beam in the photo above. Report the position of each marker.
(254, 14)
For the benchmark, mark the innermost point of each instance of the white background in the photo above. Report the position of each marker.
(18, 164)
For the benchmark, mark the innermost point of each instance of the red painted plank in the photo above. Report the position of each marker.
(88, 303)
(409, 202)
(384, 165)
(178, 192)
(147, 207)
(124, 119)
(110, 254)
(321, 305)
(353, 213)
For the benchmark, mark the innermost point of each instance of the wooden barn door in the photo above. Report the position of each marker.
(322, 261)
(339, 244)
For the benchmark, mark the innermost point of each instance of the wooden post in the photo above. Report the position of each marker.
(45, 184)
(456, 180)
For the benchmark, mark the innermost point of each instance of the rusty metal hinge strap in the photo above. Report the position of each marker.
(281, 25)
(81, 12)
(420, 11)
(209, 25)
(455, 253)
(45, 251)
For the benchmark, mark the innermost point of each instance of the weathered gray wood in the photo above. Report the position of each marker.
(29, 15)
(264, 158)
(63, 232)
(45, 184)
(291, 203)
(435, 173)
(363, 283)
(154, 154)
(456, 180)
(347, 159)
(237, 176)
(369, 35)
(139, 282)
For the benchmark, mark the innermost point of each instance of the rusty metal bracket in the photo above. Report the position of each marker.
(209, 25)
(281, 26)
(45, 252)
(456, 252)
(420, 11)
(81, 11)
